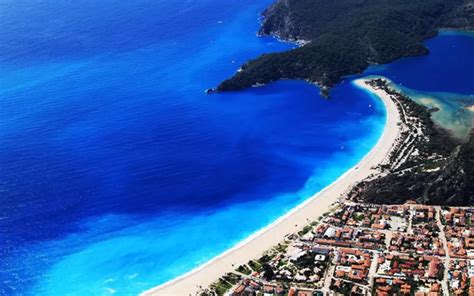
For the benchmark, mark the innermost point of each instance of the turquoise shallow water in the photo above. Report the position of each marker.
(444, 79)
(117, 172)
(453, 111)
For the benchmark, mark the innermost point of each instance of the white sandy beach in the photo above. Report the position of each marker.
(310, 210)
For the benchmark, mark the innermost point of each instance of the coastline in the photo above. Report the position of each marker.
(309, 210)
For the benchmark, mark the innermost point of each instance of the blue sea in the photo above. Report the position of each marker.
(117, 172)
(444, 79)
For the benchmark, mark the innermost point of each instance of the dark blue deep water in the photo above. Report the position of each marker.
(448, 68)
(444, 79)
(117, 173)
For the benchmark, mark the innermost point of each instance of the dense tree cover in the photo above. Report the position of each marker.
(440, 141)
(452, 183)
(346, 36)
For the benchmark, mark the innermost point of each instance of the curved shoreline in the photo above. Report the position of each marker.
(309, 210)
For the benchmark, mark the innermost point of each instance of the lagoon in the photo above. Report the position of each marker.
(118, 173)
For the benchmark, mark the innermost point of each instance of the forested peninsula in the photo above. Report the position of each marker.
(344, 37)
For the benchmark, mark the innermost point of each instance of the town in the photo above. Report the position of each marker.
(360, 249)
